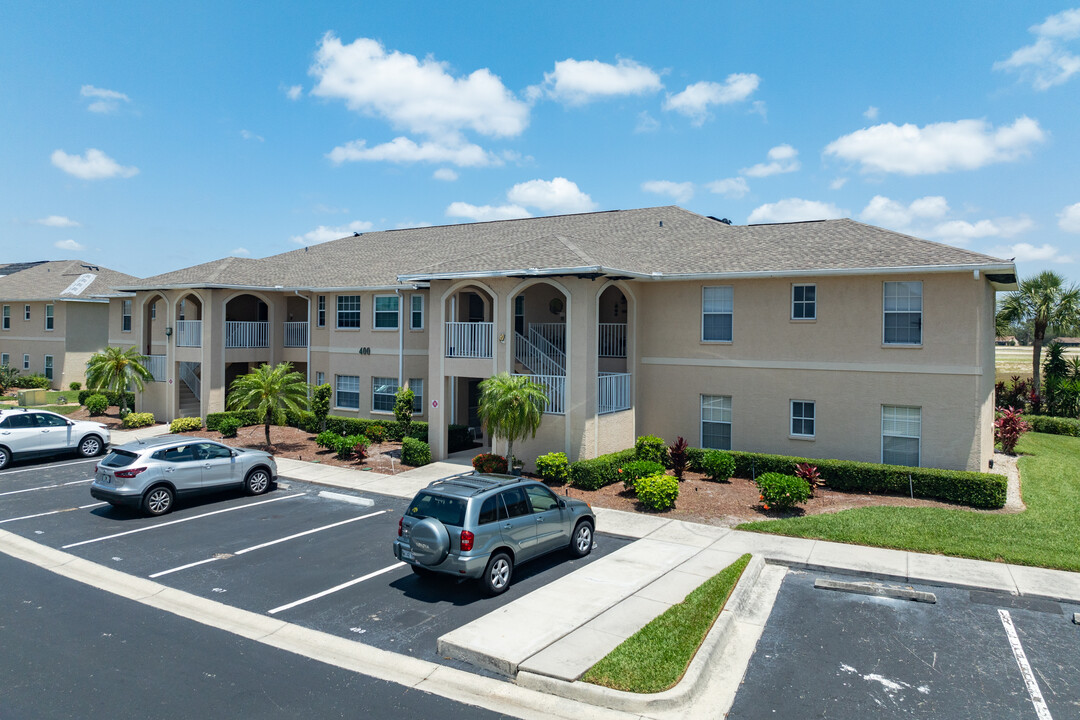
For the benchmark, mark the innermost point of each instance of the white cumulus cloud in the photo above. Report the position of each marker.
(485, 213)
(94, 165)
(1069, 218)
(936, 148)
(402, 150)
(794, 210)
(679, 192)
(838, 183)
(695, 100)
(103, 101)
(69, 245)
(962, 231)
(559, 195)
(1026, 252)
(324, 233)
(1048, 61)
(871, 113)
(420, 95)
(57, 221)
(783, 159)
(897, 216)
(445, 174)
(293, 92)
(733, 188)
(576, 82)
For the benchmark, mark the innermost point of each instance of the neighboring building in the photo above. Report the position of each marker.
(1006, 340)
(54, 316)
(1067, 341)
(818, 339)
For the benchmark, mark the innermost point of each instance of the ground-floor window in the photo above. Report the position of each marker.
(48, 366)
(25, 362)
(5, 359)
(417, 386)
(383, 390)
(716, 422)
(901, 434)
(802, 418)
(320, 377)
(348, 392)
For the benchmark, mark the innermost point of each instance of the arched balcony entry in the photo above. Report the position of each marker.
(613, 381)
(540, 340)
(189, 315)
(247, 322)
(154, 321)
(470, 330)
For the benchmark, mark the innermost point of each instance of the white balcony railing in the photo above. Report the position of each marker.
(469, 339)
(296, 335)
(554, 333)
(534, 359)
(189, 333)
(612, 340)
(612, 392)
(555, 389)
(156, 365)
(242, 334)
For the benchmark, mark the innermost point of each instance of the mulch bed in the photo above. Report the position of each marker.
(111, 418)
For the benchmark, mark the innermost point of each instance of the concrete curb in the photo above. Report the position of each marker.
(706, 660)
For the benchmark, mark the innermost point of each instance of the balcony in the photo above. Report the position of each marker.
(555, 389)
(612, 340)
(296, 335)
(247, 334)
(612, 392)
(156, 365)
(469, 339)
(189, 333)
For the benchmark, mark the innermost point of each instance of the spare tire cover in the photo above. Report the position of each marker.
(430, 542)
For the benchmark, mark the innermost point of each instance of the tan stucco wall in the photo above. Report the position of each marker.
(79, 330)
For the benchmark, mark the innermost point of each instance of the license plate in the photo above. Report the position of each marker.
(104, 479)
(406, 554)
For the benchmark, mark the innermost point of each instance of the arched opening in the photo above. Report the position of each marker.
(613, 381)
(154, 338)
(469, 326)
(189, 312)
(247, 322)
(539, 334)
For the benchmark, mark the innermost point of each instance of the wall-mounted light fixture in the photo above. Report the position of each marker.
(168, 332)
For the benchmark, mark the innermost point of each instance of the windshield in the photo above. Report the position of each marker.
(447, 510)
(119, 458)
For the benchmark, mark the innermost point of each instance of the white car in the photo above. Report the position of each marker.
(40, 433)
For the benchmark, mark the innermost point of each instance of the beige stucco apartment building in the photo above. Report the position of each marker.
(819, 339)
(54, 316)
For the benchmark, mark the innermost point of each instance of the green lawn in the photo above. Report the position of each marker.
(1047, 534)
(51, 396)
(656, 657)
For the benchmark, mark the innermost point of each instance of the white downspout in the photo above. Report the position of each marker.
(401, 338)
(308, 363)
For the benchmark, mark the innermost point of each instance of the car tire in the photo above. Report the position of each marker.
(90, 446)
(581, 541)
(257, 481)
(158, 500)
(5, 457)
(497, 574)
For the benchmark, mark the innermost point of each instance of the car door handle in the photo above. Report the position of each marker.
(539, 519)
(207, 466)
(169, 469)
(508, 526)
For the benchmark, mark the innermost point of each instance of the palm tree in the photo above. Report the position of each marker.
(270, 391)
(511, 407)
(116, 369)
(1048, 304)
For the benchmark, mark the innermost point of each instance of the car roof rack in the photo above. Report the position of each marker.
(472, 480)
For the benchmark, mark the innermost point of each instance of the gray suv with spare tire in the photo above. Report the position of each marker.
(480, 526)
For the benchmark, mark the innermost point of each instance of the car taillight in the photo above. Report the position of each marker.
(466, 541)
(399, 522)
(128, 473)
(96, 466)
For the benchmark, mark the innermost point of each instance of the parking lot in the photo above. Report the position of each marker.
(828, 654)
(297, 553)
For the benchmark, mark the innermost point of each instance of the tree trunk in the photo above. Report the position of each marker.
(510, 455)
(1038, 335)
(266, 427)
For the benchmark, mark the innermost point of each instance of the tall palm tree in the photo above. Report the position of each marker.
(116, 369)
(1049, 304)
(270, 391)
(511, 407)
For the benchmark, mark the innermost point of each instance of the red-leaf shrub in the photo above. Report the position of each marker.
(677, 456)
(810, 474)
(489, 463)
(1008, 428)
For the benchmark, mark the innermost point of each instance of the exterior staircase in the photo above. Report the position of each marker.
(190, 386)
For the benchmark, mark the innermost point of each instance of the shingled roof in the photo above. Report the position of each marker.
(660, 242)
(62, 280)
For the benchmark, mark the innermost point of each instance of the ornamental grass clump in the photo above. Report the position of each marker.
(658, 492)
(782, 492)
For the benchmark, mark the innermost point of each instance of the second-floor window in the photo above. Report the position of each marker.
(804, 302)
(7, 317)
(125, 316)
(321, 322)
(416, 316)
(348, 311)
(386, 312)
(717, 310)
(902, 324)
(25, 362)
(26, 312)
(49, 316)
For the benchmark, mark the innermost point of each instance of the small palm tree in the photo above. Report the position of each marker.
(511, 407)
(270, 391)
(1048, 304)
(118, 370)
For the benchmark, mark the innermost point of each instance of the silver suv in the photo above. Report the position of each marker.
(40, 433)
(151, 473)
(481, 526)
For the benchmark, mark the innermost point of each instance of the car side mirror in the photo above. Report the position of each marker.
(234, 453)
(70, 423)
(562, 503)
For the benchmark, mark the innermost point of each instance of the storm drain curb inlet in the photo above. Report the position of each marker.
(896, 592)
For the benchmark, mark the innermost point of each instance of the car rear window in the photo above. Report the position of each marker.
(447, 510)
(119, 458)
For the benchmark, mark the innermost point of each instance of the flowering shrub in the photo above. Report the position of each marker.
(1008, 428)
(631, 472)
(489, 463)
(658, 492)
(782, 492)
(810, 474)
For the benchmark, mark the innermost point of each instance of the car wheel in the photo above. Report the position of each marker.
(497, 574)
(158, 500)
(257, 482)
(90, 446)
(5, 457)
(581, 541)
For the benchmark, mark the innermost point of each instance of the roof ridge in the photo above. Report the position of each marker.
(572, 247)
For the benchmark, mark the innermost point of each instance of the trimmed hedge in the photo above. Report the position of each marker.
(96, 404)
(975, 489)
(137, 420)
(185, 424)
(243, 417)
(111, 395)
(415, 452)
(30, 382)
(658, 492)
(597, 472)
(1053, 425)
(228, 426)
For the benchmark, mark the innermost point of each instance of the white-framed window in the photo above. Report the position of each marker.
(383, 390)
(321, 322)
(26, 312)
(320, 377)
(5, 359)
(125, 316)
(7, 317)
(348, 311)
(25, 362)
(902, 305)
(348, 392)
(717, 311)
(386, 312)
(181, 310)
(49, 316)
(716, 422)
(153, 310)
(901, 435)
(802, 418)
(416, 312)
(417, 386)
(804, 302)
(48, 366)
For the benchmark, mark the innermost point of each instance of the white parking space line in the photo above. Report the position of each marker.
(78, 482)
(47, 467)
(271, 542)
(1032, 684)
(334, 589)
(44, 487)
(181, 520)
(28, 517)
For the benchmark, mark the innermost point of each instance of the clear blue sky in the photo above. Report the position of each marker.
(152, 136)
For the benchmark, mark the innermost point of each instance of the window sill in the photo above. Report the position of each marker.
(717, 342)
(808, 438)
(901, 346)
(382, 412)
(341, 329)
(384, 329)
(803, 320)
